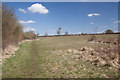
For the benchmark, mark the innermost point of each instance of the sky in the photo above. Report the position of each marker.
(73, 17)
(60, 0)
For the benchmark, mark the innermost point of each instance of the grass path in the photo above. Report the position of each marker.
(25, 63)
(43, 59)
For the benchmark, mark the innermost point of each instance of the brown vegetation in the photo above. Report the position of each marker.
(12, 31)
(109, 31)
(29, 35)
(99, 57)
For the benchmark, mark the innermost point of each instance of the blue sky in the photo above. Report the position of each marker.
(60, 0)
(74, 17)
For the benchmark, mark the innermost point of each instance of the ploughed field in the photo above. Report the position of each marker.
(65, 57)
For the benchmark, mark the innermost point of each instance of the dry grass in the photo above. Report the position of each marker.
(63, 57)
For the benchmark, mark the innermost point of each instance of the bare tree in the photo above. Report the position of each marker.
(38, 34)
(59, 31)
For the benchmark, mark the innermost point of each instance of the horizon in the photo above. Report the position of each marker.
(75, 18)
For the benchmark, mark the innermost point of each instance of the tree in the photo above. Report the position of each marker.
(109, 31)
(82, 33)
(59, 31)
(66, 33)
(38, 34)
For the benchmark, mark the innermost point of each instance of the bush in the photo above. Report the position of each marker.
(12, 31)
(29, 35)
(109, 31)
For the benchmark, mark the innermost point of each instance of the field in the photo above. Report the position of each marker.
(65, 57)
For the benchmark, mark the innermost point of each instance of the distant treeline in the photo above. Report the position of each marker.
(12, 30)
(79, 34)
(108, 31)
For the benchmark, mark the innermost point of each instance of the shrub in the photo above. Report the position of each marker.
(30, 35)
(109, 31)
(12, 31)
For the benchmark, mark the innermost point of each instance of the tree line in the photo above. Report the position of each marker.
(58, 32)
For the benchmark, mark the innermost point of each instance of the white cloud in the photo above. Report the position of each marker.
(96, 14)
(26, 22)
(90, 15)
(28, 29)
(91, 23)
(38, 8)
(93, 14)
(22, 10)
(116, 22)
